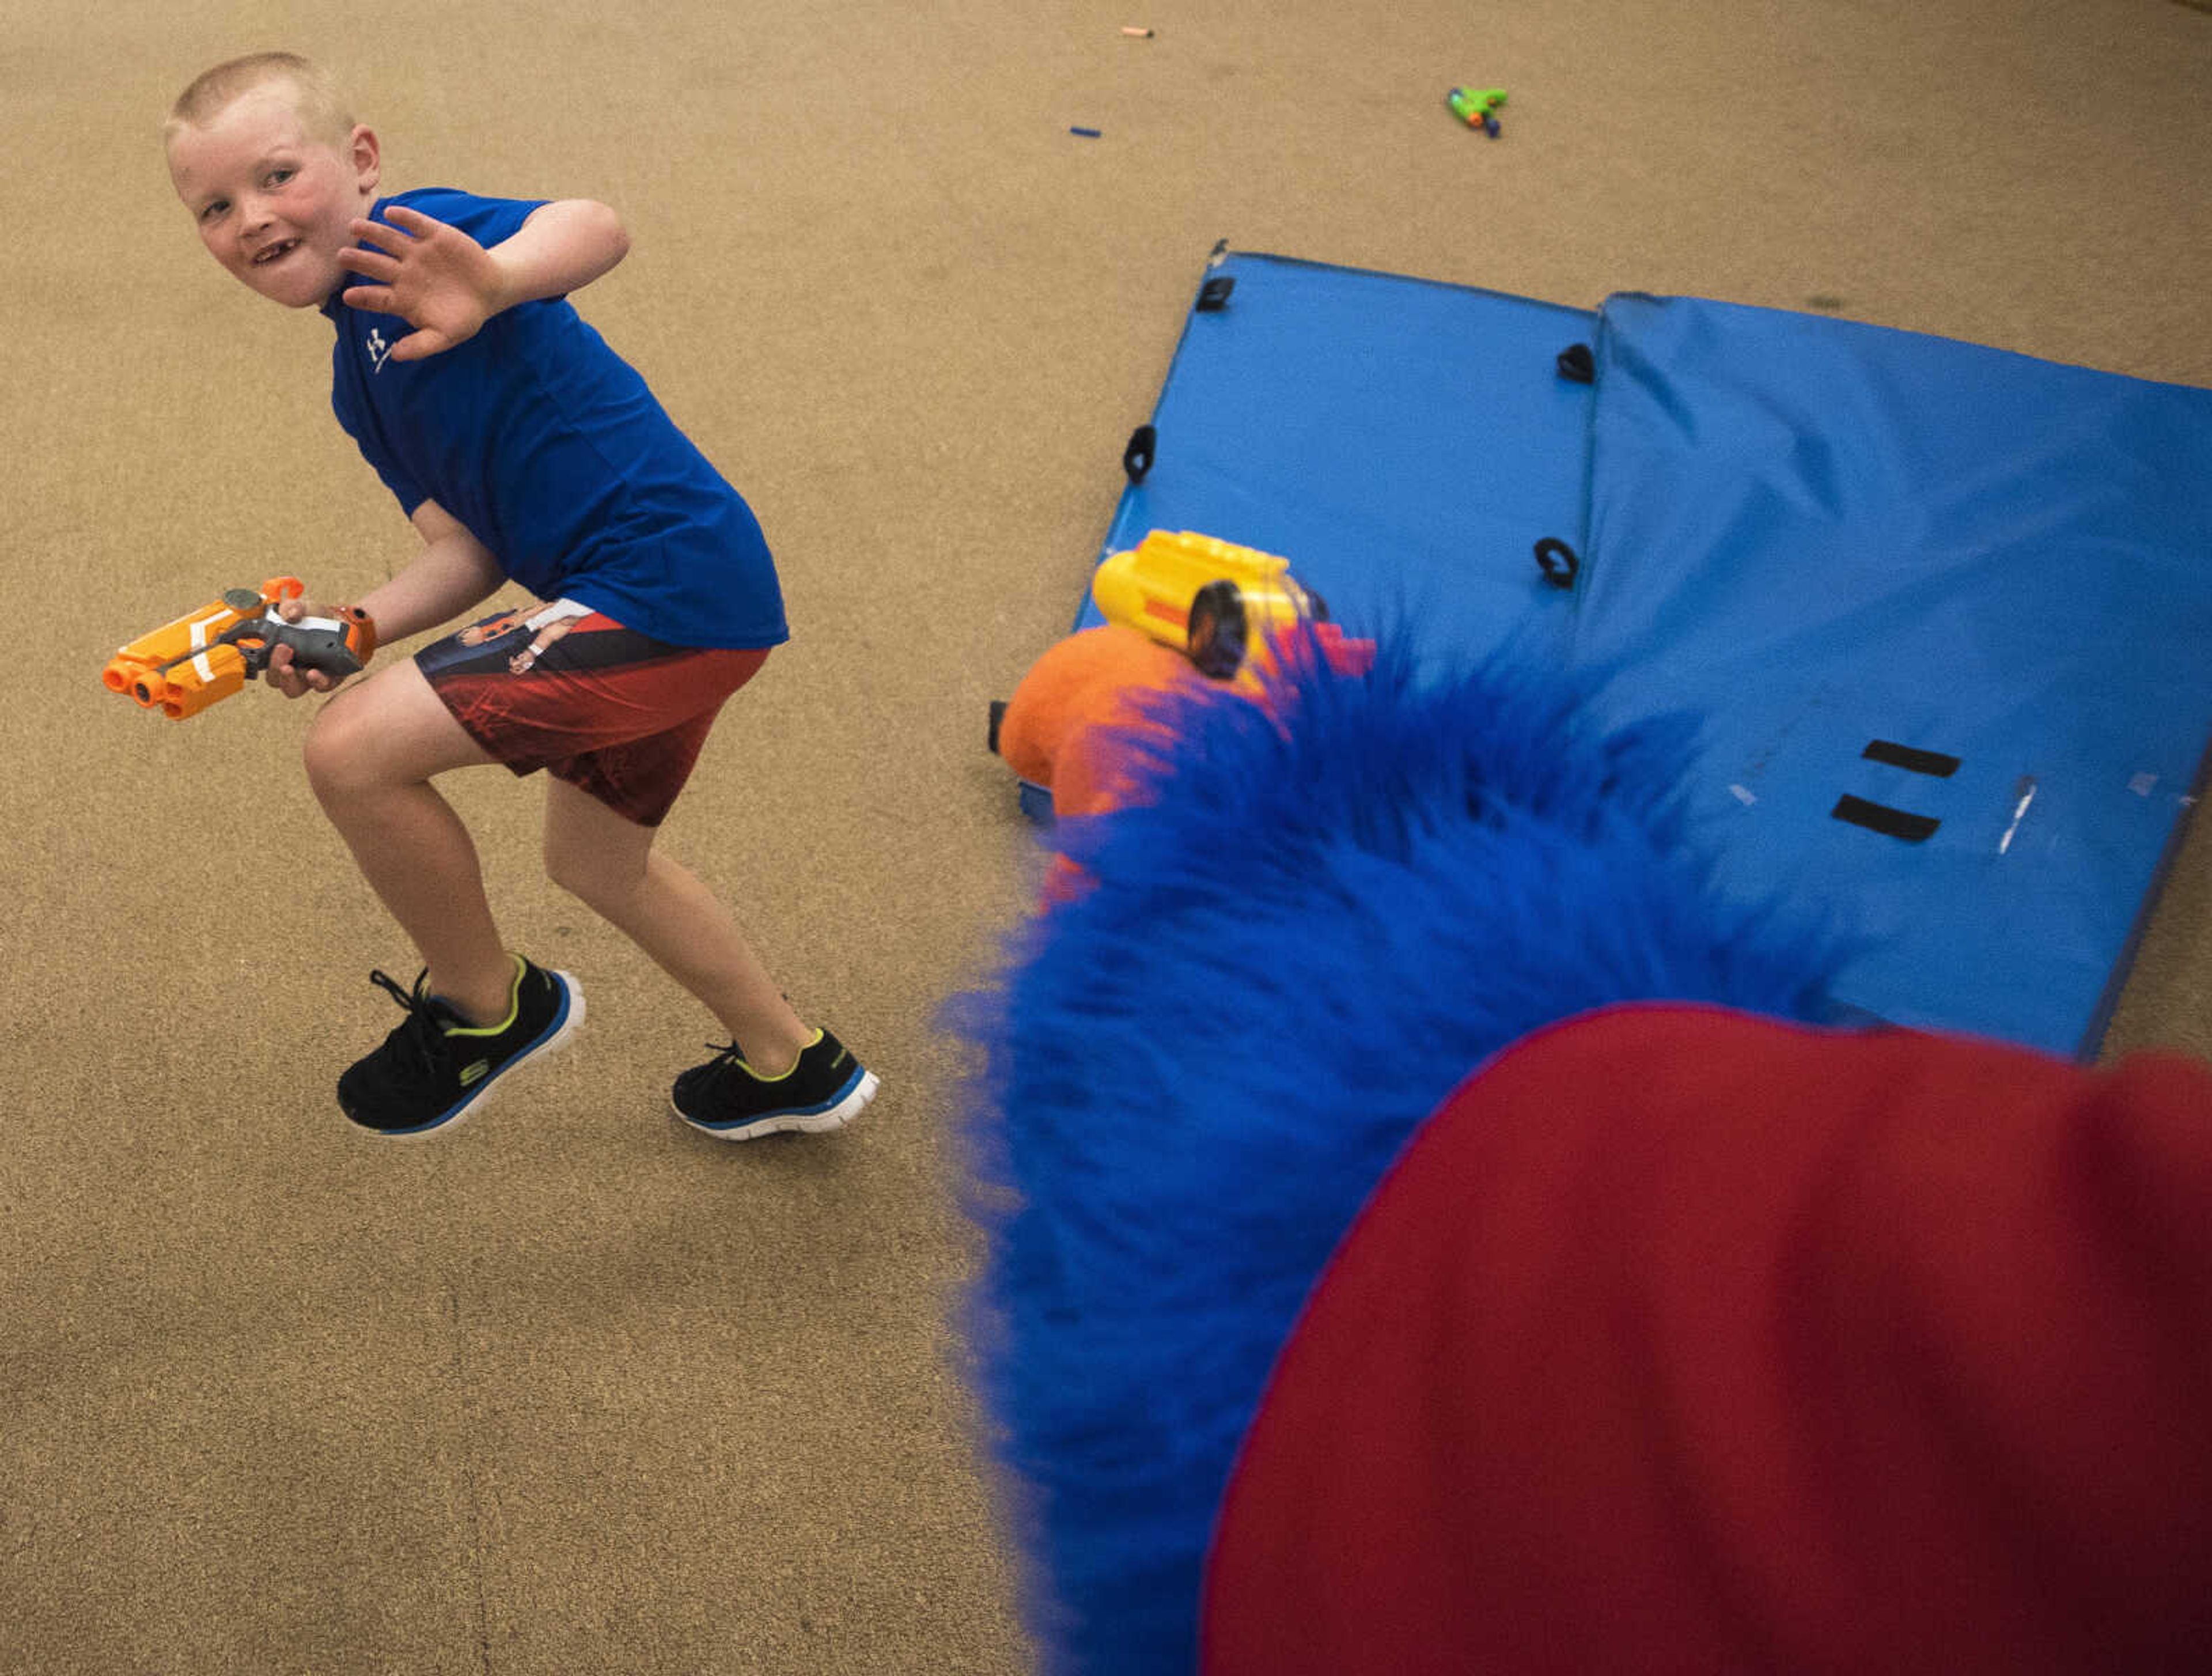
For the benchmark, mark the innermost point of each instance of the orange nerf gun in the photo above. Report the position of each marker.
(206, 655)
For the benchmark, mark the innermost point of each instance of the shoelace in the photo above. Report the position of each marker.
(420, 1038)
(728, 1060)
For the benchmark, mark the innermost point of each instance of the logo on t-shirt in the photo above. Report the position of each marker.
(378, 350)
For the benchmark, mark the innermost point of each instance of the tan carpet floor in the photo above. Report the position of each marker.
(573, 1390)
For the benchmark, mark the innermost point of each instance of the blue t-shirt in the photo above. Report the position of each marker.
(549, 448)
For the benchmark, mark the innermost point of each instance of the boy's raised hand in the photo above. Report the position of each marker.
(435, 278)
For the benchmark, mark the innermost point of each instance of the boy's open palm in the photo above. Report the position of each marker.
(435, 278)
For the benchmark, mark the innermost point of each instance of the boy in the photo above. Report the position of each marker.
(521, 448)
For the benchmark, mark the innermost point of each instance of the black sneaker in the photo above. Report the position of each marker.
(727, 1099)
(433, 1068)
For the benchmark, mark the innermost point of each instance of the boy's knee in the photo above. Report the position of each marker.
(323, 751)
(566, 869)
(600, 874)
(590, 878)
(334, 752)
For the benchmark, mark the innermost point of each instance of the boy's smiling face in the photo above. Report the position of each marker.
(274, 203)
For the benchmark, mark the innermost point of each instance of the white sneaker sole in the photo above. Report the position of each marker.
(795, 1123)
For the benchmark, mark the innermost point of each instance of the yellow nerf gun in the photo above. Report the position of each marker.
(1210, 600)
(206, 655)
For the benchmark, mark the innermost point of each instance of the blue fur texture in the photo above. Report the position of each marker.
(1194, 1074)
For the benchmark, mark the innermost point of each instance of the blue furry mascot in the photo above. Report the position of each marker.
(1283, 962)
(1316, 927)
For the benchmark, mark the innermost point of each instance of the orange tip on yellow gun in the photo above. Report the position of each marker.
(207, 655)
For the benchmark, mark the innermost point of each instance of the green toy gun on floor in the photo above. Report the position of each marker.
(1475, 106)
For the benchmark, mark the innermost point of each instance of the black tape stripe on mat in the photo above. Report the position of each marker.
(1880, 818)
(1904, 756)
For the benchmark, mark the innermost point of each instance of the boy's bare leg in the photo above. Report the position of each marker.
(370, 754)
(609, 864)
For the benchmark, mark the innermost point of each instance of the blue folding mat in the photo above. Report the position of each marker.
(1942, 613)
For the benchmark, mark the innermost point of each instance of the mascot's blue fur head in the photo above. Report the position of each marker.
(1328, 913)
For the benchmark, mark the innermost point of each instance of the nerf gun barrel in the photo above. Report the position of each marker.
(206, 655)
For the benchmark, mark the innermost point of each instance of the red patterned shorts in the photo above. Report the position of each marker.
(615, 713)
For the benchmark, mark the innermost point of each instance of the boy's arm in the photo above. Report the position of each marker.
(562, 246)
(453, 571)
(445, 285)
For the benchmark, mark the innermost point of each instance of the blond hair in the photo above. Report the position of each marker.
(322, 111)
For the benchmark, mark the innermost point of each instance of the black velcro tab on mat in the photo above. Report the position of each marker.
(1904, 756)
(1880, 818)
